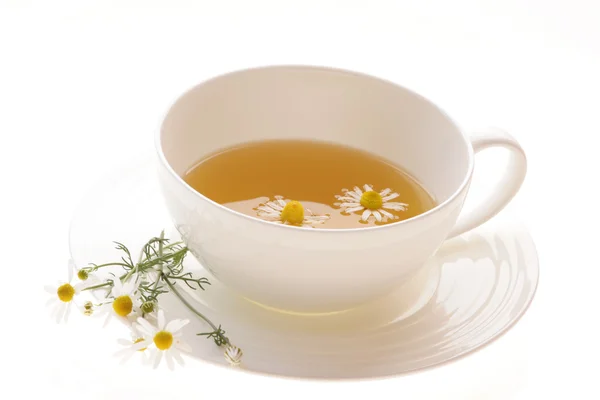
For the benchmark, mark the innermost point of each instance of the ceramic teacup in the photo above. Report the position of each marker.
(322, 270)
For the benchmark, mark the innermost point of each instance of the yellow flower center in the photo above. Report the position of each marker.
(137, 341)
(82, 274)
(293, 213)
(371, 200)
(163, 340)
(65, 292)
(123, 305)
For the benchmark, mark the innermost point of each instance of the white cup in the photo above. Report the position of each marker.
(322, 270)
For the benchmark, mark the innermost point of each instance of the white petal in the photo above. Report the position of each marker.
(358, 191)
(177, 356)
(60, 312)
(161, 320)
(315, 219)
(384, 192)
(51, 289)
(117, 288)
(387, 214)
(395, 206)
(266, 209)
(368, 188)
(353, 209)
(150, 355)
(128, 287)
(169, 360)
(146, 327)
(347, 199)
(67, 311)
(349, 205)
(281, 203)
(377, 216)
(123, 342)
(354, 195)
(140, 345)
(390, 197)
(366, 215)
(276, 208)
(157, 358)
(175, 325)
(51, 301)
(183, 346)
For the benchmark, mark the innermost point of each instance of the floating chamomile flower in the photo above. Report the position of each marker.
(233, 355)
(289, 212)
(370, 203)
(121, 303)
(163, 339)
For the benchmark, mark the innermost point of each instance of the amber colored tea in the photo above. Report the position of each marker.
(311, 184)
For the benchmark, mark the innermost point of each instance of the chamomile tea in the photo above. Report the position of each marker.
(309, 184)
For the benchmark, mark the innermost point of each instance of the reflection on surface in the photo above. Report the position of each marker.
(471, 291)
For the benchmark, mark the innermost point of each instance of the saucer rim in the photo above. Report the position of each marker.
(190, 360)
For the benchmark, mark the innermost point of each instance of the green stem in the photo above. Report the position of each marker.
(160, 252)
(179, 295)
(152, 294)
(188, 305)
(101, 285)
(136, 268)
(198, 281)
(111, 264)
(167, 247)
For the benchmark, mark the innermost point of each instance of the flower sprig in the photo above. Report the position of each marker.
(131, 293)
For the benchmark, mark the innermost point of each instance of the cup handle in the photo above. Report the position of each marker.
(508, 186)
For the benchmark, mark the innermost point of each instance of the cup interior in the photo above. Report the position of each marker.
(298, 102)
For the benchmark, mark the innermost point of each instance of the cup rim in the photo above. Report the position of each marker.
(317, 68)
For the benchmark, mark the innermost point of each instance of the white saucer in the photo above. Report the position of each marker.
(470, 293)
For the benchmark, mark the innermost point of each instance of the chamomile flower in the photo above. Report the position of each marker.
(370, 202)
(84, 274)
(136, 345)
(63, 296)
(164, 339)
(233, 355)
(122, 302)
(289, 212)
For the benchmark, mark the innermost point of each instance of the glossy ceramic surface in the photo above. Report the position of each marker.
(322, 270)
(473, 290)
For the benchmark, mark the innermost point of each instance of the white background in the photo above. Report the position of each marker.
(83, 86)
